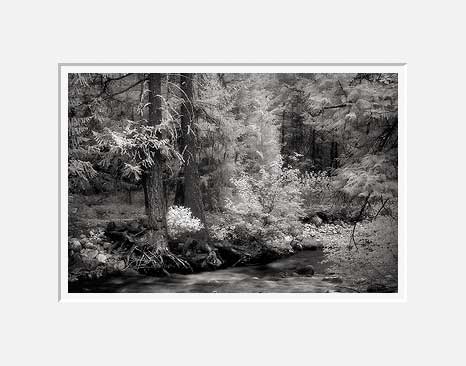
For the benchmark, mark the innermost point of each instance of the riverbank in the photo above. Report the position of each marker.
(279, 276)
(101, 236)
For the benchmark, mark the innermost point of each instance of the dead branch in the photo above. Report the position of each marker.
(358, 219)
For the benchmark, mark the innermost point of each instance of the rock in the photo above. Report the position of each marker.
(333, 279)
(82, 236)
(378, 287)
(306, 270)
(203, 261)
(250, 251)
(72, 278)
(89, 245)
(75, 260)
(110, 268)
(120, 265)
(134, 227)
(89, 253)
(310, 244)
(102, 258)
(106, 245)
(212, 260)
(131, 272)
(75, 245)
(296, 245)
(316, 220)
(90, 264)
(131, 227)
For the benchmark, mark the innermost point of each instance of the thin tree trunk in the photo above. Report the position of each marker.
(358, 218)
(333, 154)
(283, 132)
(130, 197)
(192, 189)
(146, 198)
(336, 154)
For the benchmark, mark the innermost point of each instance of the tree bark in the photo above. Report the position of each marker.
(334, 154)
(191, 186)
(179, 191)
(146, 198)
(283, 131)
(130, 198)
(156, 200)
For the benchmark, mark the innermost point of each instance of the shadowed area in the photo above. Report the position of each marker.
(278, 276)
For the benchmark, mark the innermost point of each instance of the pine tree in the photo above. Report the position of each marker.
(156, 200)
(191, 189)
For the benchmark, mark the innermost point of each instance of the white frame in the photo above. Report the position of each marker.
(285, 67)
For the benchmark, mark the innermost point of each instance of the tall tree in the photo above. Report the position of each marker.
(156, 200)
(192, 188)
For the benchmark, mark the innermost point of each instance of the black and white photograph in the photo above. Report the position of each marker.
(232, 182)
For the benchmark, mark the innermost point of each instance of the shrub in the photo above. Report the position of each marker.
(268, 205)
(180, 222)
(374, 259)
(316, 187)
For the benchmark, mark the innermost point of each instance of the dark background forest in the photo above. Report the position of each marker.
(187, 173)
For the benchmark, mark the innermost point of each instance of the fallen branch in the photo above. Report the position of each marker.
(382, 207)
(359, 218)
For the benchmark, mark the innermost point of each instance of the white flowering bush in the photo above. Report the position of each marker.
(180, 222)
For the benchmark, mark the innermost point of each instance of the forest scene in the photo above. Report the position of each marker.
(232, 183)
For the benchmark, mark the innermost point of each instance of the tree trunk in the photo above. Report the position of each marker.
(283, 132)
(146, 198)
(179, 191)
(334, 154)
(331, 154)
(156, 200)
(192, 189)
(130, 197)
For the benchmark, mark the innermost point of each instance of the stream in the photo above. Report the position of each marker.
(277, 276)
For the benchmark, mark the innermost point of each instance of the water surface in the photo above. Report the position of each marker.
(277, 276)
